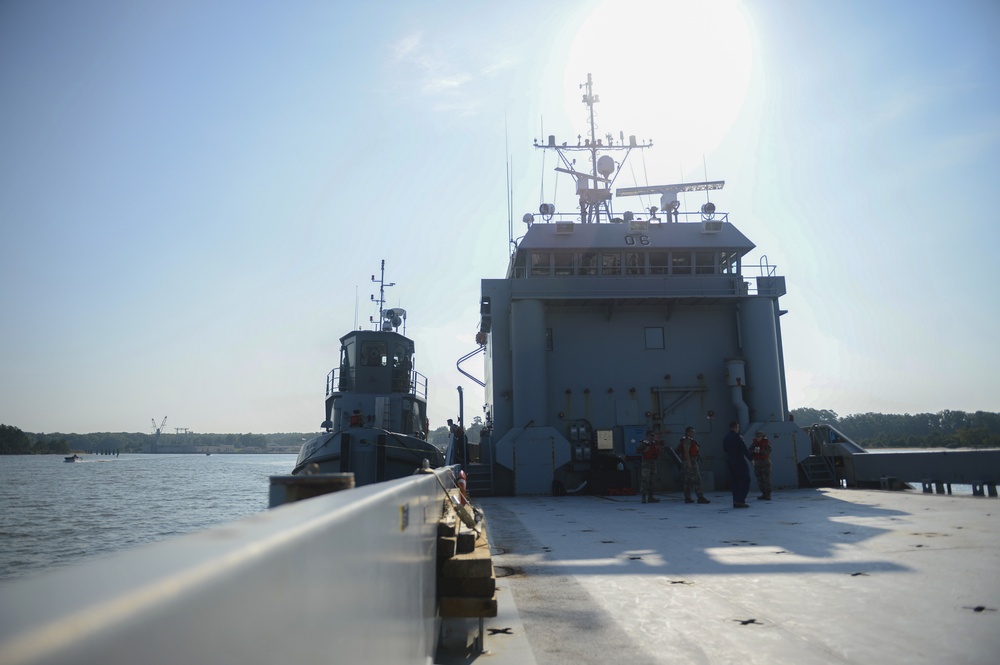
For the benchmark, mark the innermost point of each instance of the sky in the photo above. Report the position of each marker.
(195, 195)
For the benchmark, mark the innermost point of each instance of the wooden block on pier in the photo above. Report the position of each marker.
(477, 563)
(466, 541)
(451, 607)
(446, 547)
(467, 587)
(448, 527)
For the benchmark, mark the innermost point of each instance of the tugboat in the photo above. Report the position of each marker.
(376, 406)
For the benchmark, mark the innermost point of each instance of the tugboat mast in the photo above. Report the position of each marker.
(381, 295)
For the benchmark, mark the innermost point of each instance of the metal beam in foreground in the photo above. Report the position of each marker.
(345, 577)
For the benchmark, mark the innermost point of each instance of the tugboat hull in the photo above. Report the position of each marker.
(372, 455)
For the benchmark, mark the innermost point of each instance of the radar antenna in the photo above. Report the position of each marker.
(668, 195)
(594, 188)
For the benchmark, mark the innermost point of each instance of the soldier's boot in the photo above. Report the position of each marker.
(688, 499)
(653, 499)
(702, 499)
(644, 498)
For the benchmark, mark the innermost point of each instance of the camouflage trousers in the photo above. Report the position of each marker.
(692, 479)
(647, 474)
(763, 473)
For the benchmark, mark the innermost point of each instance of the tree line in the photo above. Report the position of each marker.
(945, 429)
(13, 441)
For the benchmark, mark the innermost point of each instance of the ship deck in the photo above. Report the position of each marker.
(831, 575)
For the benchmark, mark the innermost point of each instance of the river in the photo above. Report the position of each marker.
(54, 513)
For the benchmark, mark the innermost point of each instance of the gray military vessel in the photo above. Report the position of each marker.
(614, 320)
(376, 406)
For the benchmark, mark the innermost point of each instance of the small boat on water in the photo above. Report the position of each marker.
(72, 458)
(376, 407)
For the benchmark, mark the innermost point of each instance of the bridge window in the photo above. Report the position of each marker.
(659, 263)
(541, 264)
(373, 354)
(680, 263)
(588, 263)
(635, 263)
(611, 263)
(564, 263)
(704, 263)
(729, 263)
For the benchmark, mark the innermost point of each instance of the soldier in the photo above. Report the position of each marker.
(760, 449)
(649, 448)
(687, 449)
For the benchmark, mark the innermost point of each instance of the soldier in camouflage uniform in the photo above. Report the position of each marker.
(688, 451)
(760, 450)
(649, 448)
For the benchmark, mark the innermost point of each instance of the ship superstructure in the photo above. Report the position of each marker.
(611, 322)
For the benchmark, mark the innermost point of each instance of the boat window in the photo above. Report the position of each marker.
(635, 263)
(401, 366)
(373, 354)
(704, 263)
(611, 263)
(541, 264)
(347, 363)
(564, 263)
(588, 263)
(729, 263)
(654, 338)
(659, 263)
(680, 263)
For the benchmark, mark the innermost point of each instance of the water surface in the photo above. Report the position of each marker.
(54, 513)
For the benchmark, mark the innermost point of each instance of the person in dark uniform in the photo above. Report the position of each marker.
(737, 456)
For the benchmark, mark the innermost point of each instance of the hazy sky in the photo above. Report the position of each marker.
(194, 195)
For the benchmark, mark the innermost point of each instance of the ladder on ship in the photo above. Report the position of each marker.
(818, 471)
(478, 474)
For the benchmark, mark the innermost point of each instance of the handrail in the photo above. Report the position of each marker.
(351, 577)
(467, 356)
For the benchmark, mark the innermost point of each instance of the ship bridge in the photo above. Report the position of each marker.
(638, 262)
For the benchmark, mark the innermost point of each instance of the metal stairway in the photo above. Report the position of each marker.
(479, 479)
(818, 471)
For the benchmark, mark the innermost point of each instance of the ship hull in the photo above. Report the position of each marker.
(371, 454)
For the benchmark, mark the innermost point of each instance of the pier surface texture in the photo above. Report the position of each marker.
(814, 576)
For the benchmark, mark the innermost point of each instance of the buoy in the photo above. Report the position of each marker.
(463, 491)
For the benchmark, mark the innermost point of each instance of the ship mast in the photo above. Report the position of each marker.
(594, 188)
(382, 285)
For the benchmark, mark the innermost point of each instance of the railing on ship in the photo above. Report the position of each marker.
(343, 381)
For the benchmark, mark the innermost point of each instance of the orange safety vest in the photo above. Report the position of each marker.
(651, 450)
(692, 450)
(760, 449)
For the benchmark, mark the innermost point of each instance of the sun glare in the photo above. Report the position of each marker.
(672, 71)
